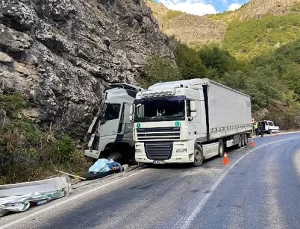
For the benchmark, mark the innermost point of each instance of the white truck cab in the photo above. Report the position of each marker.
(110, 135)
(188, 121)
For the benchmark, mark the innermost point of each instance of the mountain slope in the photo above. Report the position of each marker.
(257, 27)
(189, 29)
(259, 8)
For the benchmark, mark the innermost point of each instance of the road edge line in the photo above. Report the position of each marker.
(68, 199)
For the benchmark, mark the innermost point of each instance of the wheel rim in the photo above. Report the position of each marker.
(197, 155)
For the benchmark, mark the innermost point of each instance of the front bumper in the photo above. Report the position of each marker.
(182, 152)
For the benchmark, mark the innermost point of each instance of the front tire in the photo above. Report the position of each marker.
(116, 156)
(198, 156)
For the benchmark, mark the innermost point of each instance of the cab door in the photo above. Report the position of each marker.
(109, 128)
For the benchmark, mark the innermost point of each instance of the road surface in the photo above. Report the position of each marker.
(259, 189)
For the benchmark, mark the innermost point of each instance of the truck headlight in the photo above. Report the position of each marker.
(138, 151)
(181, 150)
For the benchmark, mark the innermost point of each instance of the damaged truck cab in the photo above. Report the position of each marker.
(188, 121)
(110, 134)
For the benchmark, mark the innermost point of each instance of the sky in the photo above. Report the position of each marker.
(203, 7)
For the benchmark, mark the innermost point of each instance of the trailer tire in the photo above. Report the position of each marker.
(239, 145)
(221, 148)
(243, 140)
(246, 140)
(198, 156)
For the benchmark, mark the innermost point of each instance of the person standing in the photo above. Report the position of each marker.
(261, 129)
(256, 128)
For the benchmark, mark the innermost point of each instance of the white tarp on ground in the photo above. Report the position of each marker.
(18, 197)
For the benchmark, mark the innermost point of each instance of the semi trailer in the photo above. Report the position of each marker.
(110, 133)
(188, 121)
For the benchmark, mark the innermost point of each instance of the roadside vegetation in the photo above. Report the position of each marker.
(28, 152)
(251, 38)
(272, 80)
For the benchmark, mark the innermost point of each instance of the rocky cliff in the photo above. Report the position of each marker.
(63, 53)
(192, 30)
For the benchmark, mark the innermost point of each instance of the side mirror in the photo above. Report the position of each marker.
(192, 106)
(131, 109)
(193, 114)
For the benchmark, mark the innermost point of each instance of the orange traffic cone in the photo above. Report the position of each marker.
(277, 135)
(225, 159)
(252, 144)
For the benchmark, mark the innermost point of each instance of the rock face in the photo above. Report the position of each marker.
(190, 29)
(63, 53)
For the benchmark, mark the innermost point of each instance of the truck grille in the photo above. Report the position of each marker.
(159, 150)
(158, 134)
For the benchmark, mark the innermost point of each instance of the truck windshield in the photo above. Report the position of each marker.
(271, 123)
(112, 111)
(165, 109)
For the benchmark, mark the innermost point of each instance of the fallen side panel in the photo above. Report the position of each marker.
(18, 197)
(42, 186)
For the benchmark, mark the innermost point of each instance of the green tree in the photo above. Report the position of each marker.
(159, 69)
(215, 58)
(189, 63)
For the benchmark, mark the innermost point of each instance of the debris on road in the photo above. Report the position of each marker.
(19, 197)
(103, 167)
(71, 175)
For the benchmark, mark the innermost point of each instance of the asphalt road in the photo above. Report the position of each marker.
(259, 189)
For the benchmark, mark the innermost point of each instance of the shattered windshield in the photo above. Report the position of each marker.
(164, 109)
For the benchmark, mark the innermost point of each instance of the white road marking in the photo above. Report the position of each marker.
(206, 197)
(68, 200)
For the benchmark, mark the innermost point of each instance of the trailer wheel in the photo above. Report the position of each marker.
(221, 148)
(243, 140)
(246, 140)
(198, 156)
(240, 142)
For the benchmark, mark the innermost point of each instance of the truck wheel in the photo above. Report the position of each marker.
(221, 148)
(240, 142)
(116, 156)
(270, 132)
(198, 156)
(243, 140)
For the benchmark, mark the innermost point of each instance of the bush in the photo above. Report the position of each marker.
(29, 152)
(189, 63)
(215, 58)
(159, 69)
